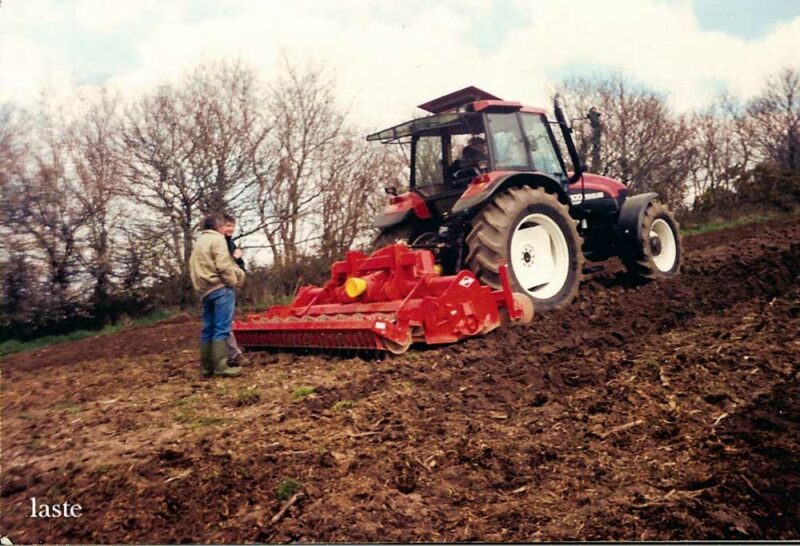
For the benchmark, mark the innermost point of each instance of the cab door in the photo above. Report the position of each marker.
(540, 143)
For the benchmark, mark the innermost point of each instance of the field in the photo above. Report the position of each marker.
(659, 412)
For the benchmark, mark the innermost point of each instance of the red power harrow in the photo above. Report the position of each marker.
(385, 301)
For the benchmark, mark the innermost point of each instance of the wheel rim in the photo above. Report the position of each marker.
(663, 243)
(539, 256)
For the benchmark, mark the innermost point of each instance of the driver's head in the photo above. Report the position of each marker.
(470, 153)
(478, 143)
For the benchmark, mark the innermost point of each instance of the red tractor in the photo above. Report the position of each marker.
(490, 236)
(514, 202)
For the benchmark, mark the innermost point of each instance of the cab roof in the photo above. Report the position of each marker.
(472, 99)
(456, 99)
(449, 110)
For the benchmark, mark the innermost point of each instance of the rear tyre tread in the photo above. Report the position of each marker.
(487, 242)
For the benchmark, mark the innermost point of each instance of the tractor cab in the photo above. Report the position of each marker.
(471, 134)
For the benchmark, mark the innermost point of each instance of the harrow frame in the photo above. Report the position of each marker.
(402, 299)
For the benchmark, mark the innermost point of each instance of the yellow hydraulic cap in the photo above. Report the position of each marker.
(438, 269)
(355, 286)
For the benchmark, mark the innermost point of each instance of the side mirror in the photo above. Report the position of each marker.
(483, 165)
(390, 190)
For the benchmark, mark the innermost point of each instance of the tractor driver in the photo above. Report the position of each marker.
(474, 152)
(472, 155)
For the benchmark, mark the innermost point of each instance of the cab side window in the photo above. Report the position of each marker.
(428, 164)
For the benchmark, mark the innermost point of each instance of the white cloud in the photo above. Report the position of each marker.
(102, 16)
(390, 56)
(29, 70)
(657, 43)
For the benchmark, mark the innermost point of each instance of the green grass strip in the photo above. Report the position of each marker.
(717, 226)
(15, 346)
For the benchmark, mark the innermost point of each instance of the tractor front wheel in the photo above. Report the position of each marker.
(659, 250)
(533, 232)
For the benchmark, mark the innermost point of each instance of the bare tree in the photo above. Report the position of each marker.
(723, 152)
(18, 278)
(155, 163)
(306, 122)
(10, 163)
(41, 202)
(9, 153)
(350, 186)
(93, 153)
(228, 128)
(774, 118)
(642, 143)
(190, 150)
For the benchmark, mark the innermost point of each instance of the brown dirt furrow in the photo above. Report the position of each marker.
(664, 411)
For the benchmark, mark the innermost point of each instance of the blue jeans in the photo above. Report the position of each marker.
(218, 314)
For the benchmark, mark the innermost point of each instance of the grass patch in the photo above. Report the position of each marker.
(15, 346)
(716, 226)
(287, 488)
(247, 397)
(210, 422)
(192, 420)
(186, 400)
(343, 404)
(301, 392)
(184, 417)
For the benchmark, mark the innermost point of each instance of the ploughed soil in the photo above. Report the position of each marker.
(658, 412)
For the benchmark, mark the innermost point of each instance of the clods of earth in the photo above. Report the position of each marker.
(664, 411)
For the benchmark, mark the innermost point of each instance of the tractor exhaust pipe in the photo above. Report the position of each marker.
(566, 131)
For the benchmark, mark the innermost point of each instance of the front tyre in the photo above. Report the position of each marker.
(659, 251)
(533, 232)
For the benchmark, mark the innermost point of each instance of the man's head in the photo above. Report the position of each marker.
(229, 225)
(479, 143)
(214, 221)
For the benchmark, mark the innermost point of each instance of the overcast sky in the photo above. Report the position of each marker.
(392, 55)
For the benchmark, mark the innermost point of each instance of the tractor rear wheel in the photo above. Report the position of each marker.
(659, 252)
(533, 232)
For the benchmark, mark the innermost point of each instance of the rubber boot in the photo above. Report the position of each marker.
(239, 359)
(235, 355)
(206, 362)
(219, 352)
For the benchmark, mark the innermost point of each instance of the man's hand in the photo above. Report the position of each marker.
(237, 253)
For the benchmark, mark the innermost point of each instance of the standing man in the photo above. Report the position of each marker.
(235, 355)
(215, 277)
